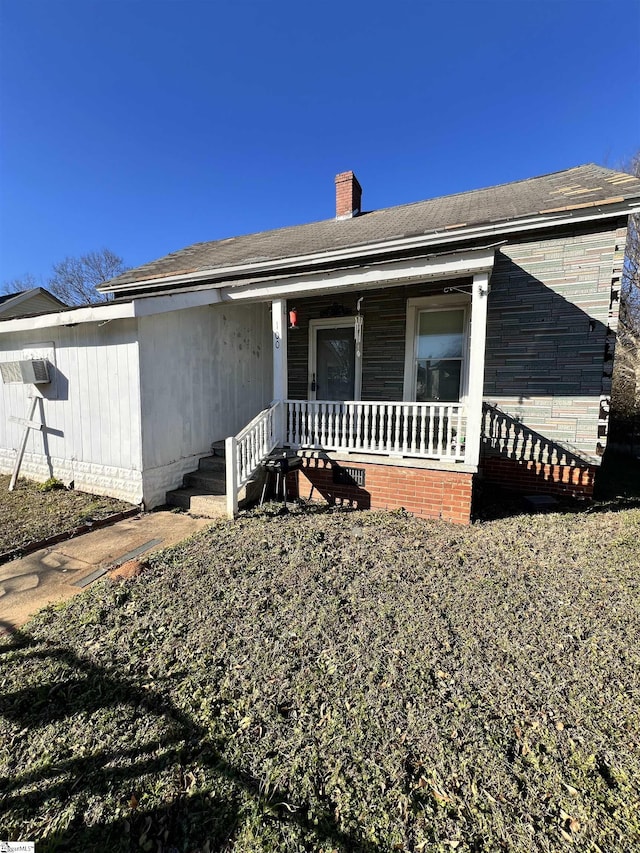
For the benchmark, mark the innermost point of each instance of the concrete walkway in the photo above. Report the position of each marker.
(57, 573)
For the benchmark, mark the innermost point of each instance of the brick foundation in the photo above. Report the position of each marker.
(538, 478)
(426, 492)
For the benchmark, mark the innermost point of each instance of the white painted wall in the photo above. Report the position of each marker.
(91, 409)
(204, 373)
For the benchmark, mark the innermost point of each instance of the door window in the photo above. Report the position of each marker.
(334, 361)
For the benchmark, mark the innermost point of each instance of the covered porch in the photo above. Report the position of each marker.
(404, 370)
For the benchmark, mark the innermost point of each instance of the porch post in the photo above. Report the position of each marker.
(476, 367)
(280, 390)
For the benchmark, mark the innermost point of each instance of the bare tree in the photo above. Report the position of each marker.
(74, 280)
(625, 398)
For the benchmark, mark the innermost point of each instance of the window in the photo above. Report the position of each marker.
(440, 348)
(436, 352)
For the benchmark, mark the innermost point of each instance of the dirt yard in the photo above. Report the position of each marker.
(30, 513)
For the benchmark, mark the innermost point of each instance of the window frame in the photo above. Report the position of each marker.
(434, 304)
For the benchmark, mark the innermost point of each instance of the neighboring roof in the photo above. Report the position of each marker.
(587, 186)
(6, 296)
(34, 300)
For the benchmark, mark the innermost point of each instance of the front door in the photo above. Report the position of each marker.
(334, 360)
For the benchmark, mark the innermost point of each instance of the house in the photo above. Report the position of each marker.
(402, 354)
(31, 301)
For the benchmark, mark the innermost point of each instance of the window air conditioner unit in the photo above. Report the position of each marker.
(33, 371)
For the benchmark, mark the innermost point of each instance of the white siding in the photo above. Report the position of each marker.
(91, 410)
(205, 372)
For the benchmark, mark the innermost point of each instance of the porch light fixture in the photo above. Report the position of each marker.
(293, 319)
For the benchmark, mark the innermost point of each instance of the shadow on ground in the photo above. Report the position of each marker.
(617, 487)
(191, 819)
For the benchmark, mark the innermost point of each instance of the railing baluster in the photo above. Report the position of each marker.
(358, 438)
(448, 449)
(387, 435)
(332, 425)
(413, 431)
(366, 440)
(432, 417)
(396, 441)
(343, 426)
(373, 443)
(440, 446)
(405, 428)
(299, 435)
(316, 423)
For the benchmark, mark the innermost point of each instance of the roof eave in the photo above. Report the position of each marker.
(102, 313)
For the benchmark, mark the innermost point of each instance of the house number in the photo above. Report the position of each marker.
(276, 340)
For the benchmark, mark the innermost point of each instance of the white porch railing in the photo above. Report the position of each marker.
(423, 430)
(246, 450)
(418, 430)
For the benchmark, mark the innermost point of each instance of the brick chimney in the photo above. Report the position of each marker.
(348, 195)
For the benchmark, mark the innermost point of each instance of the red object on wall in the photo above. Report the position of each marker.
(293, 318)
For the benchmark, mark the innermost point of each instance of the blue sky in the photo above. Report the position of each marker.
(147, 126)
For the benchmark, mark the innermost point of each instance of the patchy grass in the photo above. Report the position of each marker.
(31, 513)
(338, 681)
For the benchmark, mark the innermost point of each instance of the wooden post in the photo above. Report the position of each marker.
(280, 389)
(23, 445)
(231, 462)
(476, 367)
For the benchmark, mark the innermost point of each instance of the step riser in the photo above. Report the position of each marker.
(206, 482)
(208, 506)
(212, 463)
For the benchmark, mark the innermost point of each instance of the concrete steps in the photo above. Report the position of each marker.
(203, 491)
(198, 502)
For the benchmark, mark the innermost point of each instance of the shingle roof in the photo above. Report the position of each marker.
(580, 187)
